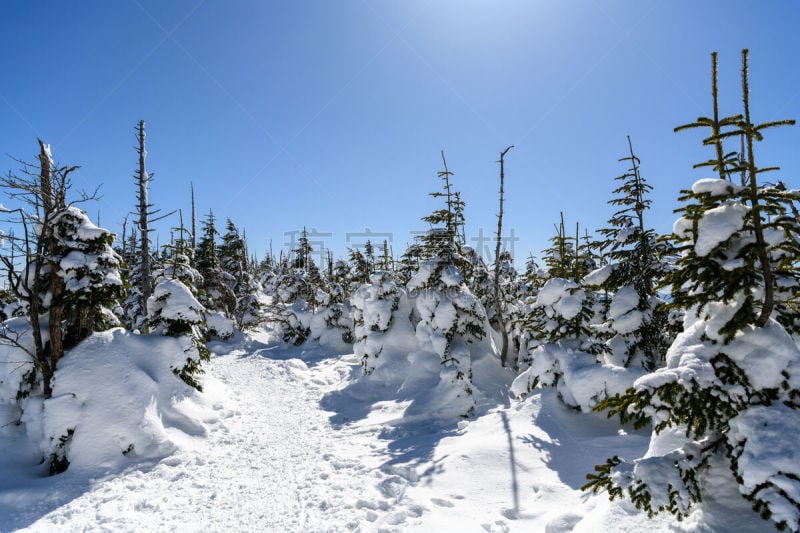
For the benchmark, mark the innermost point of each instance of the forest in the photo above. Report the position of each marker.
(691, 335)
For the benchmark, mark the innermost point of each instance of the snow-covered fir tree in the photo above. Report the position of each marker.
(216, 295)
(637, 320)
(90, 268)
(174, 311)
(374, 305)
(726, 404)
(241, 278)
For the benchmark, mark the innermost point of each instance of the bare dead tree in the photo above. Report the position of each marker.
(42, 189)
(145, 213)
(194, 219)
(498, 305)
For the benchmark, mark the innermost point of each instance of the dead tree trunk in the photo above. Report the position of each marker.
(142, 179)
(498, 305)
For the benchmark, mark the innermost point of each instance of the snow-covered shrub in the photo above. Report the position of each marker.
(336, 317)
(450, 320)
(175, 312)
(568, 346)
(290, 309)
(565, 311)
(374, 305)
(580, 381)
(724, 401)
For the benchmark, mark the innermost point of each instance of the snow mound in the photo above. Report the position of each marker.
(115, 402)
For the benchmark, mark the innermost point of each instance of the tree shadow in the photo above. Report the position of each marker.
(575, 442)
(28, 493)
(512, 461)
(412, 435)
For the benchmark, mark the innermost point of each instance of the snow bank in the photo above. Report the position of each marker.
(15, 363)
(115, 402)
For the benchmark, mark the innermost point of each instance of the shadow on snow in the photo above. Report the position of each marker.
(578, 441)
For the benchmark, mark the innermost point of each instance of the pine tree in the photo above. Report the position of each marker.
(638, 320)
(359, 269)
(175, 312)
(374, 305)
(565, 309)
(409, 262)
(451, 318)
(91, 271)
(217, 295)
(444, 236)
(731, 388)
(241, 280)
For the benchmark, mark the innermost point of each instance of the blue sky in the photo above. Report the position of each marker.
(332, 115)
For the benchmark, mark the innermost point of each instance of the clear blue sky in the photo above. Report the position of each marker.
(331, 115)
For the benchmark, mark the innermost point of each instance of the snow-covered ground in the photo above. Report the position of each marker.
(287, 449)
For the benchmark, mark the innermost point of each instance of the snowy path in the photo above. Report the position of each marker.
(271, 462)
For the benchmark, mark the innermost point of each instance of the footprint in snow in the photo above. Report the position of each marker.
(498, 527)
(442, 503)
(396, 518)
(562, 524)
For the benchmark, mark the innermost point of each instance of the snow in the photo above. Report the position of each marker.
(622, 312)
(718, 225)
(293, 439)
(599, 276)
(561, 296)
(122, 418)
(219, 326)
(715, 187)
(580, 381)
(767, 437)
(84, 229)
(173, 300)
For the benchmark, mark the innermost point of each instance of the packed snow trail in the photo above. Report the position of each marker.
(270, 462)
(273, 459)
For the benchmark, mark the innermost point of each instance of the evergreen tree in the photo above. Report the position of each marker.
(386, 262)
(451, 318)
(409, 262)
(731, 388)
(566, 310)
(217, 295)
(444, 235)
(175, 312)
(241, 280)
(360, 269)
(91, 271)
(374, 305)
(638, 321)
